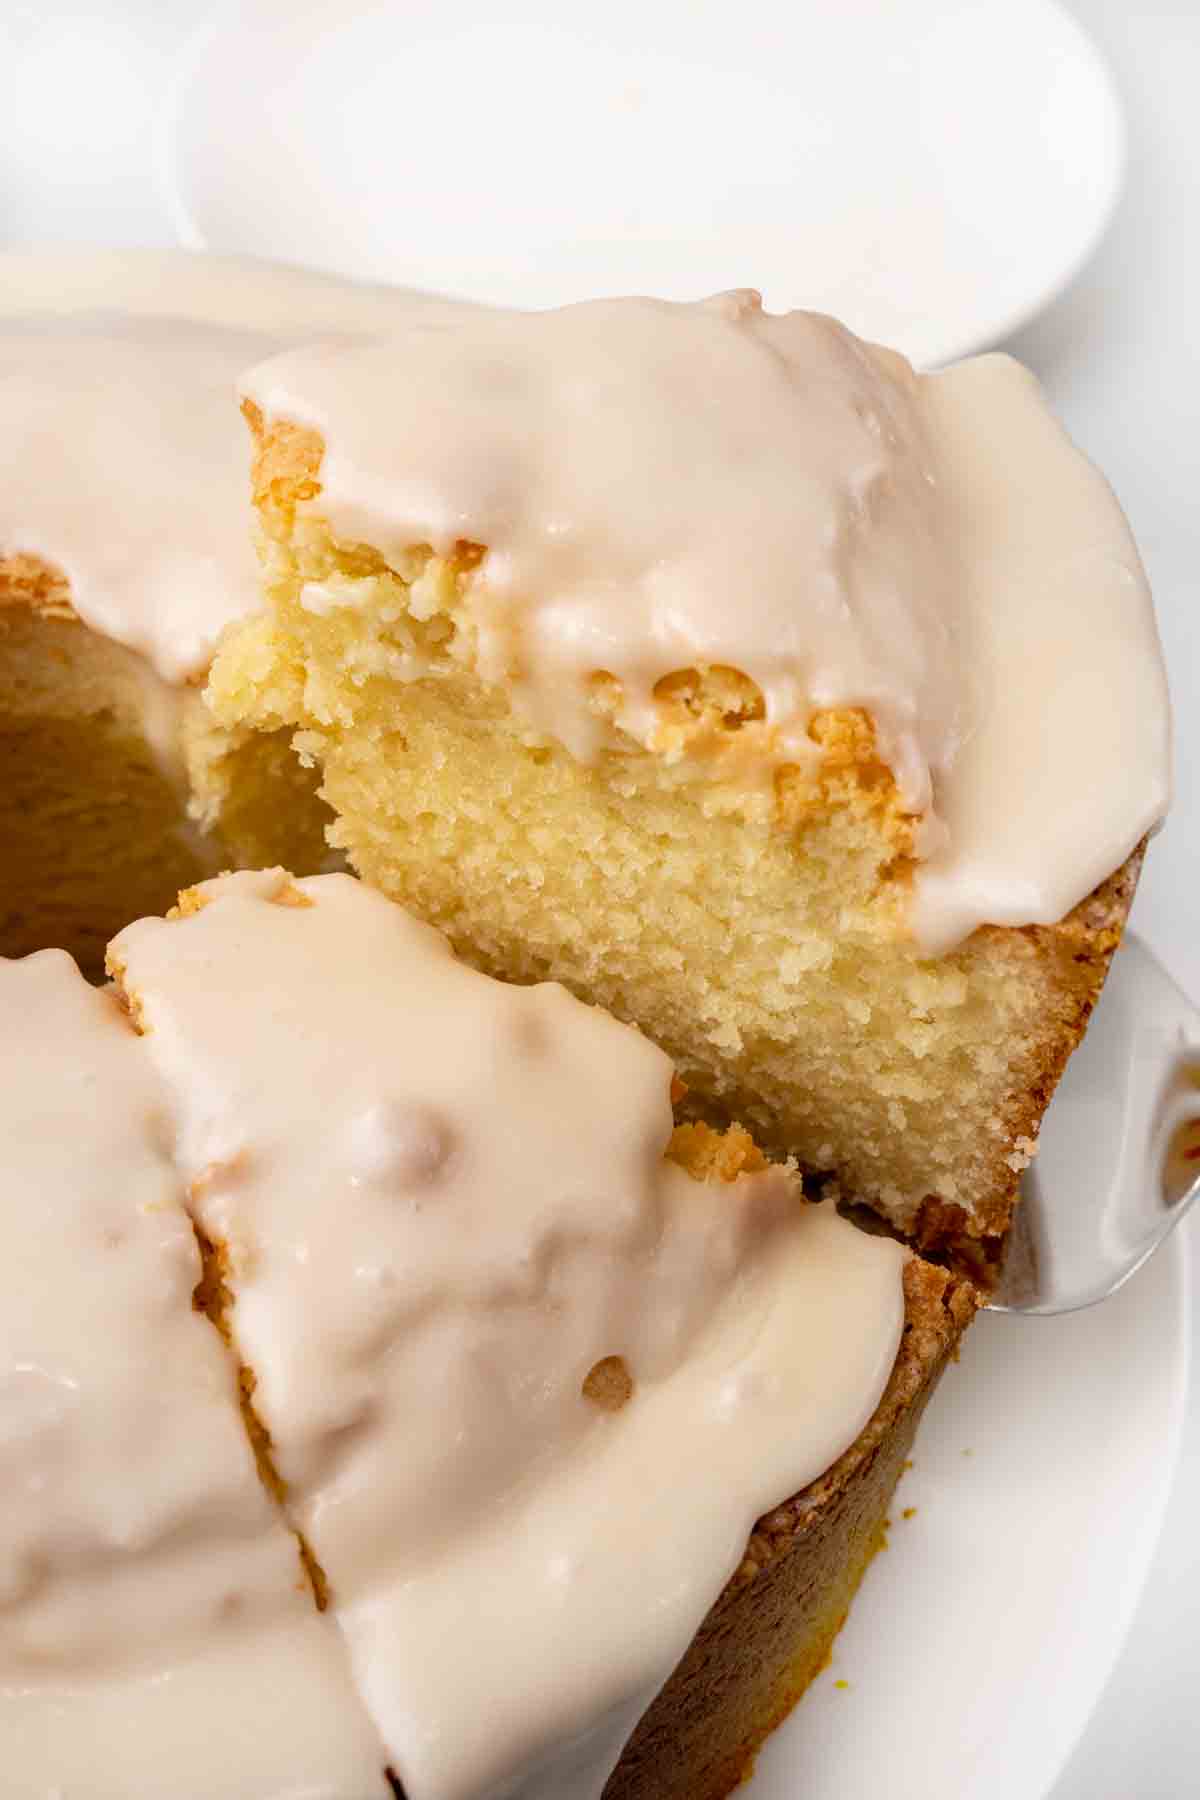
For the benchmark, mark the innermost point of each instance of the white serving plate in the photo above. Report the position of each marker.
(982, 1640)
(932, 171)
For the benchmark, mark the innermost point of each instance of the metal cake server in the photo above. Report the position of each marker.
(1118, 1162)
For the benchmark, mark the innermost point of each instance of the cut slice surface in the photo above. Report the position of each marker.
(806, 712)
(754, 933)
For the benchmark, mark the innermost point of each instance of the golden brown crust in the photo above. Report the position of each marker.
(1079, 950)
(194, 899)
(213, 1297)
(191, 901)
(772, 1629)
(710, 1155)
(28, 581)
(285, 466)
(849, 776)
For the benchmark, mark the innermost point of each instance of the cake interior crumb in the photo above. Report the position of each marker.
(753, 927)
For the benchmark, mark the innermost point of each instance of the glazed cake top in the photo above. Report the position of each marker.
(658, 487)
(125, 459)
(156, 1632)
(495, 1331)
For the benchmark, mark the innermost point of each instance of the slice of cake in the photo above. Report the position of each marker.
(157, 1634)
(531, 1362)
(808, 713)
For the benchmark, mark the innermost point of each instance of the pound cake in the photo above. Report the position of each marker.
(124, 550)
(393, 1395)
(806, 712)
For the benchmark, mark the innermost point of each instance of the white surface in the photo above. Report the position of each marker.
(978, 1644)
(1118, 354)
(1115, 1153)
(549, 153)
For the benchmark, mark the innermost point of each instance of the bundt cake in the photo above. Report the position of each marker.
(399, 1395)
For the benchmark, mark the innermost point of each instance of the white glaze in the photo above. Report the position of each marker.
(444, 1200)
(125, 463)
(658, 486)
(126, 470)
(1067, 764)
(156, 1634)
(662, 486)
(936, 551)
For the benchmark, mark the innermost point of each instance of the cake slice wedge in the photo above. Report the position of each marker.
(551, 1386)
(157, 1634)
(807, 713)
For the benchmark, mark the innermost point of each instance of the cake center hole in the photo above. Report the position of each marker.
(608, 1384)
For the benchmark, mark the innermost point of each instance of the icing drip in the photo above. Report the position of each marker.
(660, 487)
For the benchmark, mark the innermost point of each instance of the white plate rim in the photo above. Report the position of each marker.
(1036, 1763)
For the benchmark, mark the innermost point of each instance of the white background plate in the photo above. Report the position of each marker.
(851, 155)
(980, 1641)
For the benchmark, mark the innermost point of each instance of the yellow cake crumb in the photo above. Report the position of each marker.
(755, 928)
